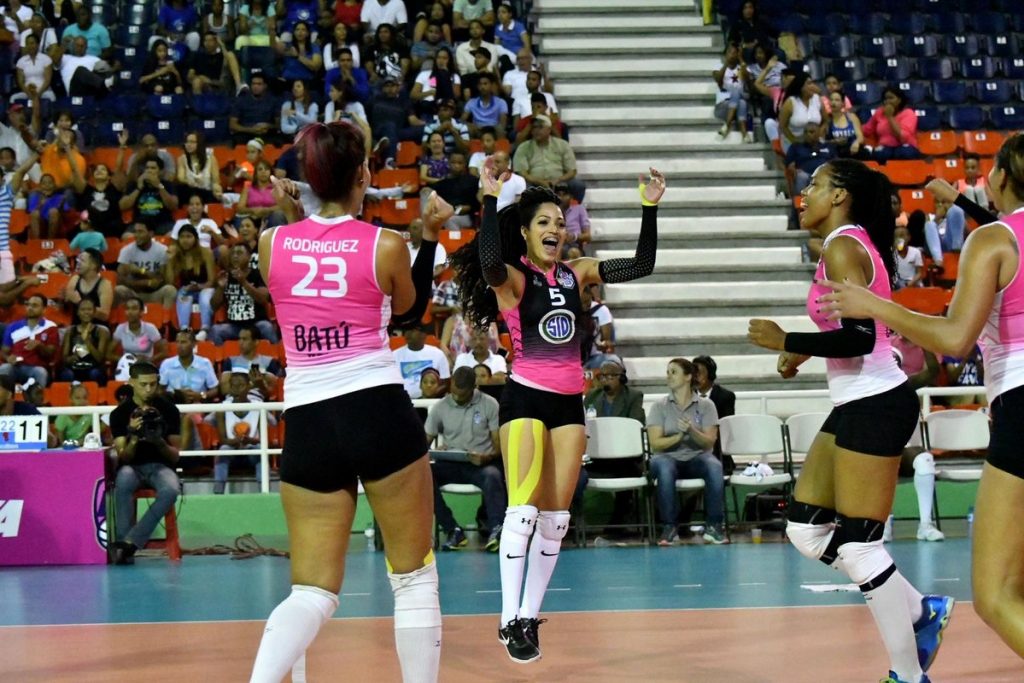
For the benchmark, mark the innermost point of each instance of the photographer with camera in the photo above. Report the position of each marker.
(146, 429)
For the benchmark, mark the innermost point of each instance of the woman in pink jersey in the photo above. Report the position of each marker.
(336, 283)
(513, 267)
(846, 488)
(988, 306)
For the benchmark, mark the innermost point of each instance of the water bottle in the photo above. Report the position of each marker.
(370, 534)
(591, 412)
(970, 522)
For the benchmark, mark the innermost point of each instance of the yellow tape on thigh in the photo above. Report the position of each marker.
(519, 493)
(426, 561)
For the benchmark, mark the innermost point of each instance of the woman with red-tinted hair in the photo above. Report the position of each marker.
(336, 283)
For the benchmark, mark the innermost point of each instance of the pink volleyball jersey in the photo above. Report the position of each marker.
(1002, 339)
(545, 330)
(850, 379)
(332, 312)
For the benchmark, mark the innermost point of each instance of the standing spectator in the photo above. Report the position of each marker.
(136, 338)
(547, 161)
(254, 112)
(30, 344)
(96, 35)
(480, 353)
(909, 262)
(204, 226)
(805, 156)
(724, 400)
(511, 188)
(415, 357)
(467, 51)
(460, 190)
(732, 81)
(152, 201)
(387, 56)
(893, 128)
(88, 284)
(487, 109)
(300, 110)
(148, 147)
(198, 172)
(377, 12)
(748, 30)
(213, 68)
(454, 132)
(844, 128)
(263, 371)
(801, 105)
(85, 348)
(238, 430)
(434, 165)
(241, 289)
(146, 430)
(945, 231)
(303, 60)
(192, 271)
(100, 198)
(160, 74)
(577, 222)
(33, 73)
(510, 33)
(140, 270)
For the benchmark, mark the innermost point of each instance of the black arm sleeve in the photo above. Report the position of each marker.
(979, 213)
(489, 245)
(642, 263)
(855, 338)
(423, 282)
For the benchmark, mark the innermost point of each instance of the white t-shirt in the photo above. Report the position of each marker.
(424, 78)
(49, 38)
(522, 107)
(354, 108)
(495, 362)
(602, 316)
(412, 364)
(24, 13)
(375, 14)
(205, 240)
(35, 69)
(69, 65)
(906, 266)
(510, 190)
(440, 255)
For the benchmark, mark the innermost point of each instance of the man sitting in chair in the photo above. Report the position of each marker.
(146, 429)
(468, 420)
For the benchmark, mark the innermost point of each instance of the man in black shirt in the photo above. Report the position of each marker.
(459, 190)
(214, 68)
(146, 430)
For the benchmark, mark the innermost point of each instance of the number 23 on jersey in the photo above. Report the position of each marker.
(331, 271)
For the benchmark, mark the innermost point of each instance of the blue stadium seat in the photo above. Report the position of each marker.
(870, 24)
(832, 24)
(948, 22)
(936, 5)
(134, 36)
(815, 7)
(127, 106)
(928, 118)
(165, 106)
(894, 68)
(211, 105)
(978, 67)
(916, 92)
(168, 132)
(105, 131)
(141, 13)
(865, 94)
(128, 55)
(921, 46)
(950, 92)
(935, 68)
(989, 22)
(215, 130)
(837, 47)
(850, 69)
(878, 47)
(993, 92)
(1007, 118)
(80, 107)
(1017, 21)
(104, 13)
(815, 68)
(790, 23)
(774, 8)
(258, 58)
(1002, 45)
(962, 45)
(912, 24)
(966, 118)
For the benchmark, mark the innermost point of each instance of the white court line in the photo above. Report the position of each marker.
(622, 588)
(551, 590)
(490, 591)
(687, 585)
(354, 595)
(754, 583)
(956, 578)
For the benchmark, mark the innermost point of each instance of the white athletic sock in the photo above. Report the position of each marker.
(914, 598)
(291, 628)
(547, 542)
(515, 537)
(924, 486)
(417, 623)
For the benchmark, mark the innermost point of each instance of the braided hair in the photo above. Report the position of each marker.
(870, 205)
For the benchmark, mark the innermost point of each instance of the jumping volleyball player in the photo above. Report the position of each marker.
(988, 306)
(336, 283)
(512, 266)
(846, 488)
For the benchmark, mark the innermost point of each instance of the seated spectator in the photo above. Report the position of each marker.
(801, 105)
(65, 123)
(248, 233)
(179, 22)
(471, 79)
(219, 23)
(160, 74)
(334, 48)
(303, 60)
(84, 348)
(263, 371)
(100, 199)
(483, 375)
(387, 57)
(510, 33)
(153, 199)
(973, 185)
(431, 386)
(834, 85)
(764, 82)
(748, 30)
(522, 104)
(254, 112)
(376, 13)
(598, 343)
(240, 288)
(214, 68)
(416, 240)
(30, 344)
(944, 233)
(682, 428)
(897, 209)
(538, 107)
(547, 161)
(256, 25)
(343, 105)
(147, 452)
(436, 13)
(909, 262)
(488, 145)
(964, 372)
(732, 104)
(454, 132)
(148, 147)
(238, 430)
(393, 119)
(577, 223)
(844, 129)
(468, 421)
(487, 109)
(45, 36)
(434, 165)
(192, 272)
(88, 283)
(299, 111)
(141, 270)
(83, 74)
(513, 187)
(351, 79)
(466, 52)
(73, 428)
(465, 11)
(460, 190)
(415, 357)
(135, 339)
(892, 130)
(439, 82)
(45, 206)
(480, 354)
(205, 227)
(33, 73)
(805, 156)
(96, 35)
(246, 169)
(87, 237)
(424, 50)
(724, 400)
(295, 12)
(198, 173)
(189, 378)
(17, 135)
(258, 199)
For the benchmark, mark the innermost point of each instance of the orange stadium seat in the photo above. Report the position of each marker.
(409, 154)
(37, 250)
(917, 199)
(983, 142)
(106, 156)
(950, 170)
(927, 300)
(937, 142)
(451, 240)
(51, 285)
(396, 177)
(19, 221)
(908, 173)
(398, 212)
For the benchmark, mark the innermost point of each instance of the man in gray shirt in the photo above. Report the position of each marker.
(468, 420)
(140, 270)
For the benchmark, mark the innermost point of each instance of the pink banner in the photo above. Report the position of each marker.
(52, 509)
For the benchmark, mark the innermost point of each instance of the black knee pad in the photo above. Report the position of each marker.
(857, 530)
(806, 513)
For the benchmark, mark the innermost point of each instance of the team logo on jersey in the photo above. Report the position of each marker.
(558, 326)
(566, 279)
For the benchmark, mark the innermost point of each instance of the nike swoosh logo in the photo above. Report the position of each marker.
(514, 557)
(548, 554)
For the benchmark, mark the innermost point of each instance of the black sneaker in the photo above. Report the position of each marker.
(520, 649)
(124, 553)
(456, 539)
(531, 630)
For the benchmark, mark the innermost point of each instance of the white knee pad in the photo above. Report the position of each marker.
(924, 463)
(864, 561)
(520, 520)
(416, 601)
(553, 525)
(810, 539)
(324, 602)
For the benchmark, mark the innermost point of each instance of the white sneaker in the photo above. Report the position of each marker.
(928, 532)
(724, 130)
(748, 138)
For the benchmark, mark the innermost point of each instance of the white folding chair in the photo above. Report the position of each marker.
(956, 430)
(619, 438)
(754, 435)
(801, 430)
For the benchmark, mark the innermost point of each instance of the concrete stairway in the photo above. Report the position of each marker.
(633, 82)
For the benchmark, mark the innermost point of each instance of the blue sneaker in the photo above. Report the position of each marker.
(893, 678)
(928, 630)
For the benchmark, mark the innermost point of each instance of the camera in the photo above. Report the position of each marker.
(152, 428)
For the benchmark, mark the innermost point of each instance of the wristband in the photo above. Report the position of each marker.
(643, 200)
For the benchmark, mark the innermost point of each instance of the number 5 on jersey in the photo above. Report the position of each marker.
(332, 270)
(557, 298)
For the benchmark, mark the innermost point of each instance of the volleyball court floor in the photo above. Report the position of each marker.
(741, 612)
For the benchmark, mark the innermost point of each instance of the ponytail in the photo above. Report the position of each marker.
(331, 155)
(870, 205)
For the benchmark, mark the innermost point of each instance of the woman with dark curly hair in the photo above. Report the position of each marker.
(513, 268)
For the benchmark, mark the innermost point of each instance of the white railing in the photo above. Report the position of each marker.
(265, 451)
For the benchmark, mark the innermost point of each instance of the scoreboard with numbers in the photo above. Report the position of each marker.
(23, 432)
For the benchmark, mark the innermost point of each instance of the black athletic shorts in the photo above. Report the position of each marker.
(876, 425)
(366, 435)
(1005, 444)
(554, 410)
